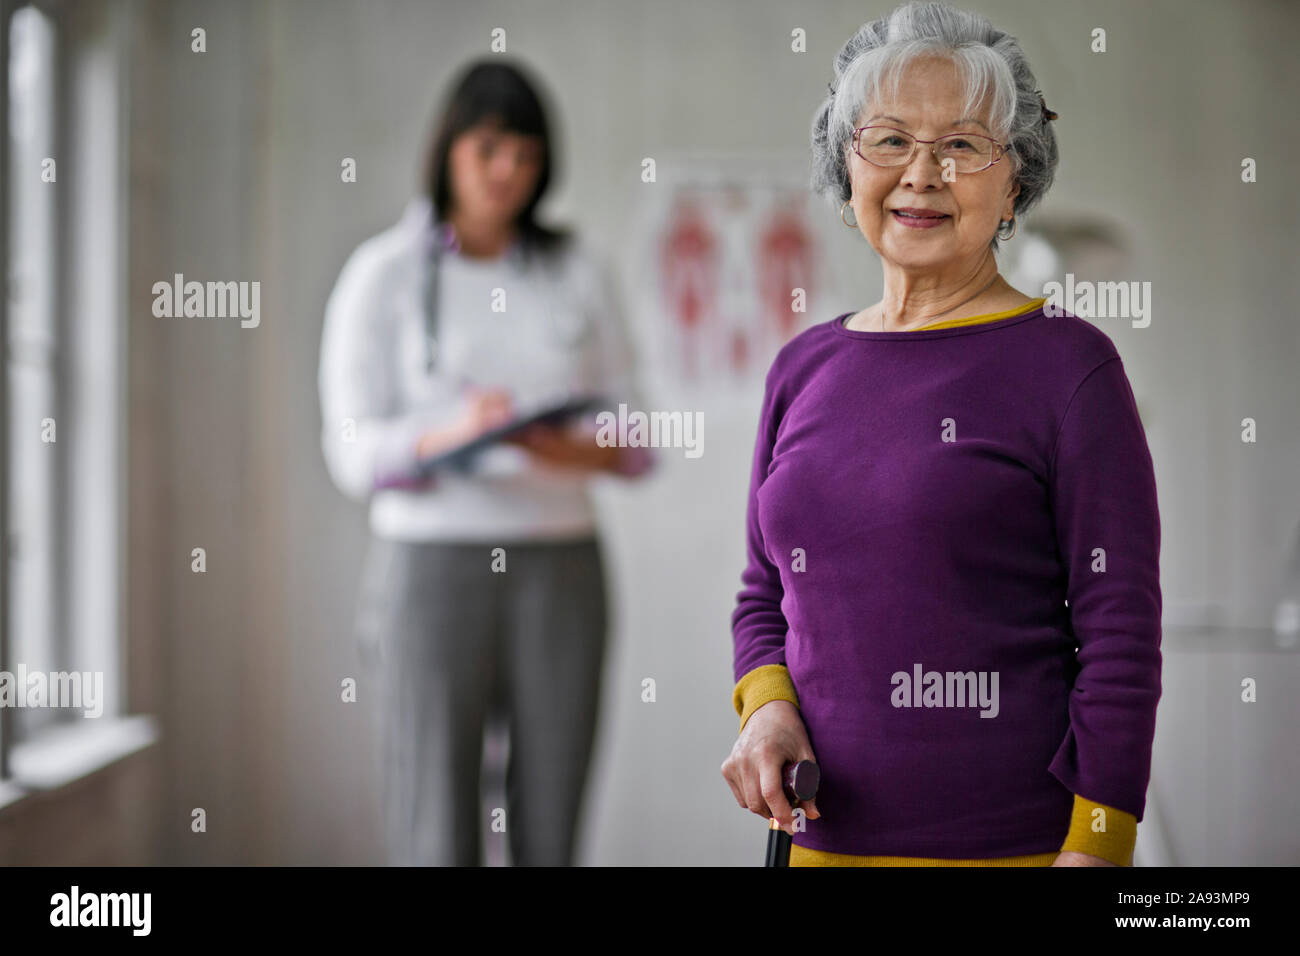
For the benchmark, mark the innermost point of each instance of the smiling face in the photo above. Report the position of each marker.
(929, 105)
(494, 172)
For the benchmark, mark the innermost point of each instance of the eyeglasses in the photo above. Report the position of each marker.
(966, 152)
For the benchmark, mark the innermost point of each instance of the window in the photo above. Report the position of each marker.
(61, 430)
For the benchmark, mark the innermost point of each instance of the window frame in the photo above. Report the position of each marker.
(6, 12)
(84, 221)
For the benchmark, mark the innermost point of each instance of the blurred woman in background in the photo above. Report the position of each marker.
(484, 592)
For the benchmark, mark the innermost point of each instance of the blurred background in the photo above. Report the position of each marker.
(221, 688)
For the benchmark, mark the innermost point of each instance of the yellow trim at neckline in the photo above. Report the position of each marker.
(978, 319)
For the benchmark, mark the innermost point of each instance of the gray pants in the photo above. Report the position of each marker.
(451, 645)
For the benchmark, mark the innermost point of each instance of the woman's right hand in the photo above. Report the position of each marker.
(773, 736)
(487, 408)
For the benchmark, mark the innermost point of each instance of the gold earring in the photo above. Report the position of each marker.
(1014, 226)
(854, 223)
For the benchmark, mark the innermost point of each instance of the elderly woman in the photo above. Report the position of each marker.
(952, 598)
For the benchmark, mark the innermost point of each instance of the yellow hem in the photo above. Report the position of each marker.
(802, 856)
(979, 319)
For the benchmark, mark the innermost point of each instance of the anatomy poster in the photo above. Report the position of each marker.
(732, 271)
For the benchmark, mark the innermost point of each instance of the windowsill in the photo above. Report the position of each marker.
(10, 794)
(63, 754)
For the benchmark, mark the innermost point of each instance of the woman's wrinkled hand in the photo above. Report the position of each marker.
(774, 736)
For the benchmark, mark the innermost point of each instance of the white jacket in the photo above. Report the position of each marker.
(562, 332)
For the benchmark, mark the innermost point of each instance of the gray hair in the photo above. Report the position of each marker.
(992, 66)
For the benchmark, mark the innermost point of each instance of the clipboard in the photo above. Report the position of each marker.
(462, 457)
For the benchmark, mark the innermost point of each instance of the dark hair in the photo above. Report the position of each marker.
(499, 93)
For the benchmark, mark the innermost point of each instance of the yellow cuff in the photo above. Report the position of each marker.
(1103, 831)
(760, 686)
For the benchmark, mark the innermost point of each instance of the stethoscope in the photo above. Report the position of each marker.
(570, 334)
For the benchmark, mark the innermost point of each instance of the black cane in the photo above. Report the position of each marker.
(799, 781)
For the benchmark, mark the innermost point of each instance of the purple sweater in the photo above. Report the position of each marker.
(922, 505)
